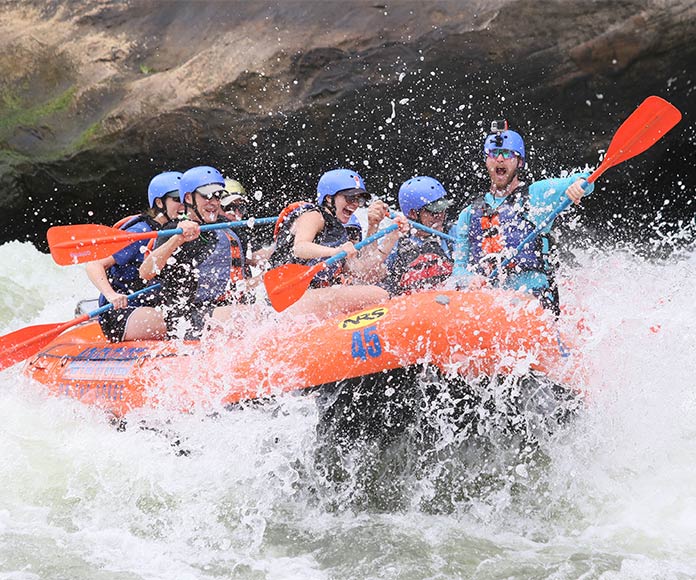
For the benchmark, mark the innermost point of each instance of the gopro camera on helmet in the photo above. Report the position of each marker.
(499, 125)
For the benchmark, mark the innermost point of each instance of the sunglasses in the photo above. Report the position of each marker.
(173, 195)
(361, 200)
(236, 207)
(214, 194)
(506, 153)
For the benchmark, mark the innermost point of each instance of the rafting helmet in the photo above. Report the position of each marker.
(162, 184)
(197, 177)
(505, 140)
(422, 192)
(353, 229)
(339, 180)
(234, 194)
(233, 186)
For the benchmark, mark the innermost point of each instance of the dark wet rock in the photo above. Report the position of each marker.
(97, 97)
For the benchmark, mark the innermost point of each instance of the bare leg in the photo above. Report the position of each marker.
(321, 303)
(224, 313)
(335, 300)
(145, 323)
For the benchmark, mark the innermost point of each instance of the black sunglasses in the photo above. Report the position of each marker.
(236, 207)
(361, 199)
(214, 194)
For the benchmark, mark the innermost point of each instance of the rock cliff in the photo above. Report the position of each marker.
(99, 96)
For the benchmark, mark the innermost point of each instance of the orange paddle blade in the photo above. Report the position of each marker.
(21, 344)
(653, 118)
(286, 284)
(81, 243)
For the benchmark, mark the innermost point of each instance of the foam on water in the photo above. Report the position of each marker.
(616, 499)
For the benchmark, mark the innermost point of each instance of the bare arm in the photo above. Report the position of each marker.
(376, 212)
(369, 265)
(96, 272)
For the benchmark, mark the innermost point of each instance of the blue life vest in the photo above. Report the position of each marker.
(494, 234)
(198, 272)
(124, 275)
(332, 235)
(214, 270)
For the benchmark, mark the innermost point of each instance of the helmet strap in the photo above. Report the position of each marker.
(194, 206)
(162, 208)
(198, 214)
(329, 204)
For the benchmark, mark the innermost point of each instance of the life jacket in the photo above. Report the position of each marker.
(287, 211)
(199, 273)
(125, 278)
(333, 235)
(419, 264)
(213, 270)
(238, 270)
(494, 234)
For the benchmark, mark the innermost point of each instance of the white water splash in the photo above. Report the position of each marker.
(79, 499)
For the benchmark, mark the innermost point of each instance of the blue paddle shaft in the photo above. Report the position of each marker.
(420, 226)
(108, 307)
(365, 242)
(443, 235)
(222, 226)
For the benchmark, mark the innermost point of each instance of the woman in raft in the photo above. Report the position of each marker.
(311, 232)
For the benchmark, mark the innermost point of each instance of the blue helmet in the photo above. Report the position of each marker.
(163, 184)
(505, 140)
(353, 228)
(197, 177)
(422, 192)
(339, 180)
(353, 222)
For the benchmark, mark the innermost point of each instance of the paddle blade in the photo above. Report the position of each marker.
(286, 284)
(81, 243)
(653, 118)
(25, 342)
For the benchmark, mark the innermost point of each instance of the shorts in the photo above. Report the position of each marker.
(189, 323)
(113, 322)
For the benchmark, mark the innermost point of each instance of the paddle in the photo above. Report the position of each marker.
(443, 235)
(81, 243)
(653, 118)
(286, 284)
(420, 226)
(25, 342)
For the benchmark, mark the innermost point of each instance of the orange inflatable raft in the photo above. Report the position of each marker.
(462, 333)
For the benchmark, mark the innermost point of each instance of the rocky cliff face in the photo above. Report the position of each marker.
(98, 96)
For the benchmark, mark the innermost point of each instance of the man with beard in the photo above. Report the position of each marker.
(490, 229)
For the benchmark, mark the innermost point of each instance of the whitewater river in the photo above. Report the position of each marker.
(615, 500)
